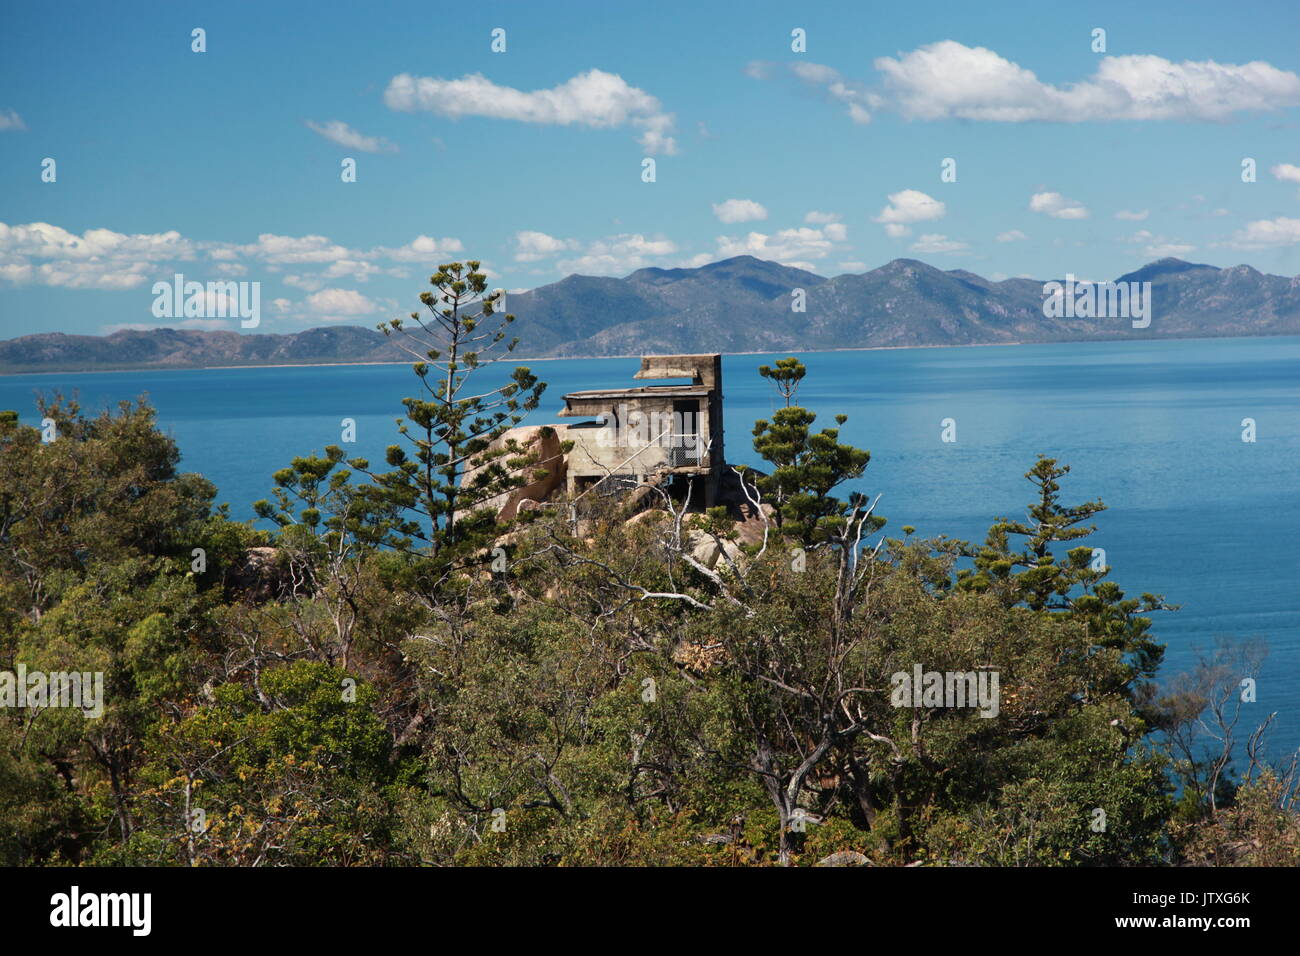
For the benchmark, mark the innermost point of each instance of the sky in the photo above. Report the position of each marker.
(228, 164)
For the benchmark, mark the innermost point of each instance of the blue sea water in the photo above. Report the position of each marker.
(1152, 428)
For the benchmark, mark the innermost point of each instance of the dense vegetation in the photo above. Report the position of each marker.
(390, 676)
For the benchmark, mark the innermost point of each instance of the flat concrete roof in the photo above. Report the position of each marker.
(662, 391)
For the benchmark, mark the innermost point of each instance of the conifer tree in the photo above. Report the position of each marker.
(807, 465)
(1070, 585)
(450, 428)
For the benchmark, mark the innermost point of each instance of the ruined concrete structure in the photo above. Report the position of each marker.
(664, 435)
(650, 432)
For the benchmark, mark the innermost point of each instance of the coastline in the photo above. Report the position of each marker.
(637, 355)
(520, 360)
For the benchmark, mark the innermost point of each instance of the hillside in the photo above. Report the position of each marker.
(736, 305)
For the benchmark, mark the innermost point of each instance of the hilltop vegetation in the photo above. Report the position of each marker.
(384, 673)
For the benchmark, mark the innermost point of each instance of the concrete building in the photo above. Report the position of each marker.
(651, 431)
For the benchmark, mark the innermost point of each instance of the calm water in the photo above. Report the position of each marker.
(1152, 428)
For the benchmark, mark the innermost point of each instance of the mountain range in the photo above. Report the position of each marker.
(741, 304)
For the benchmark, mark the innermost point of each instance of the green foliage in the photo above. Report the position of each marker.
(455, 466)
(806, 466)
(1036, 577)
(355, 688)
(1261, 828)
(105, 490)
(786, 376)
(294, 770)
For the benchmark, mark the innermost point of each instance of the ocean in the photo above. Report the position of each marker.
(1153, 428)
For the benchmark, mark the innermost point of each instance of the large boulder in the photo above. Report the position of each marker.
(703, 548)
(542, 441)
(710, 551)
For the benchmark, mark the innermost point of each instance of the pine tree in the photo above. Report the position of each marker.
(1036, 577)
(807, 466)
(451, 429)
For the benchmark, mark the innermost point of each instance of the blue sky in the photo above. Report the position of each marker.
(226, 164)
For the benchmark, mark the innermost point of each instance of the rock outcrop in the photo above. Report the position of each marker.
(543, 441)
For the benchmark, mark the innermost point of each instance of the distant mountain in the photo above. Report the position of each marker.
(737, 305)
(186, 348)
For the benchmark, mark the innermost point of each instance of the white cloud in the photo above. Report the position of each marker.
(104, 259)
(816, 218)
(357, 269)
(309, 283)
(96, 259)
(1057, 206)
(286, 250)
(423, 249)
(791, 247)
(1286, 172)
(1159, 247)
(906, 207)
(1268, 232)
(10, 120)
(530, 245)
(1167, 249)
(934, 243)
(336, 131)
(44, 241)
(617, 255)
(610, 255)
(357, 263)
(92, 275)
(949, 80)
(1137, 216)
(339, 304)
(595, 98)
(739, 210)
(853, 266)
(810, 72)
(854, 96)
(18, 272)
(1011, 235)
